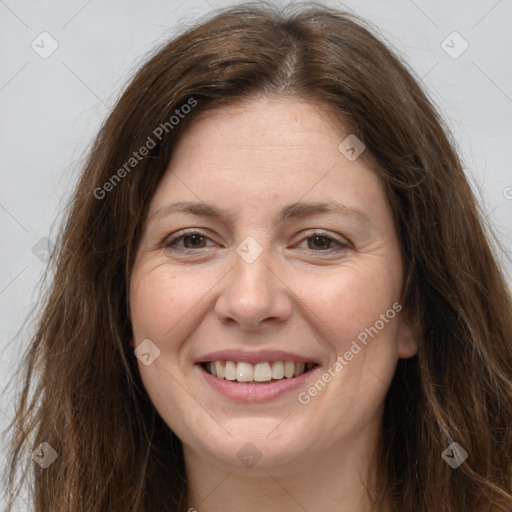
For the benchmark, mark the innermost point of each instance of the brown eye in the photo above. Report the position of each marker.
(319, 242)
(186, 241)
(196, 241)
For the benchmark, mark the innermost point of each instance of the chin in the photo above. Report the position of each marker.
(253, 443)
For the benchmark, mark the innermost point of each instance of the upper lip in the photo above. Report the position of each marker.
(254, 357)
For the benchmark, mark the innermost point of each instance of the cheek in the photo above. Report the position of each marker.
(160, 299)
(350, 301)
(358, 314)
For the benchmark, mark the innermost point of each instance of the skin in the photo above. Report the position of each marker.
(253, 160)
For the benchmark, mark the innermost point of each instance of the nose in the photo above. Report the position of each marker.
(254, 296)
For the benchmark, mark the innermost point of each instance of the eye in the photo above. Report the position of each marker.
(191, 240)
(322, 242)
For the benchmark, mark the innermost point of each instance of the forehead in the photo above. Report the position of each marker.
(267, 151)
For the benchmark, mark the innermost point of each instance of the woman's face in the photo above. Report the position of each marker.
(280, 256)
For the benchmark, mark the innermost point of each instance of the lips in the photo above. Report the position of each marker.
(254, 357)
(255, 376)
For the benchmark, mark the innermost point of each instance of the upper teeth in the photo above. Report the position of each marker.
(259, 372)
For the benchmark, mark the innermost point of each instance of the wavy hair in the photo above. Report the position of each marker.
(82, 393)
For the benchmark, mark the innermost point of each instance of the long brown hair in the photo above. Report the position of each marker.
(82, 393)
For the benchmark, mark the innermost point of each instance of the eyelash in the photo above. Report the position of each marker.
(168, 243)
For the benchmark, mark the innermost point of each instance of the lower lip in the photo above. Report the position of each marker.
(244, 392)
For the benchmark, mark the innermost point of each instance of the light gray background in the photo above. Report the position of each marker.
(51, 108)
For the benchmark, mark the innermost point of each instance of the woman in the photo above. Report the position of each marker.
(273, 290)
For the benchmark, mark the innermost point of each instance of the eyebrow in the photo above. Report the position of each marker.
(297, 210)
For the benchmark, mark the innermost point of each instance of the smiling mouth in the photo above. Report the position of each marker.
(260, 373)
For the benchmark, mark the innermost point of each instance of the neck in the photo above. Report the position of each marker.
(335, 479)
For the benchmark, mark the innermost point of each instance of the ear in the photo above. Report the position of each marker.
(406, 335)
(132, 343)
